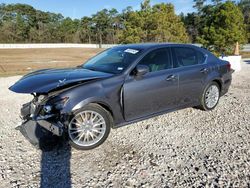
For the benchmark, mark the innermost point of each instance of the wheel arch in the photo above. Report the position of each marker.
(105, 106)
(218, 81)
(93, 100)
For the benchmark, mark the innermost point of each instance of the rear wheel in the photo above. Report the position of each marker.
(89, 127)
(210, 97)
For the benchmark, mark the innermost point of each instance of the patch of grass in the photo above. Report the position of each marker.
(8, 74)
(21, 61)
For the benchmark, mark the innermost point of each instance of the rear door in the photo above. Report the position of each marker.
(154, 92)
(192, 69)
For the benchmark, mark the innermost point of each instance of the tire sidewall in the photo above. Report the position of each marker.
(203, 99)
(107, 118)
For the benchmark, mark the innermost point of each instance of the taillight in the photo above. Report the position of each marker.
(228, 66)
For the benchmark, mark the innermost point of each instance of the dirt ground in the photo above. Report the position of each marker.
(20, 61)
(186, 148)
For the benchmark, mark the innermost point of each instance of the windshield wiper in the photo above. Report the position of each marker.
(98, 70)
(79, 67)
(91, 68)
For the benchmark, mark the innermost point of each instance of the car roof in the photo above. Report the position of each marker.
(145, 46)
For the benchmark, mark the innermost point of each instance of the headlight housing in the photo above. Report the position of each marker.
(54, 105)
(40, 98)
(47, 108)
(60, 103)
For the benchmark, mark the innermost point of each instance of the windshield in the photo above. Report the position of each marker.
(114, 60)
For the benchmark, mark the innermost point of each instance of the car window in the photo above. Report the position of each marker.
(157, 60)
(201, 57)
(188, 56)
(114, 60)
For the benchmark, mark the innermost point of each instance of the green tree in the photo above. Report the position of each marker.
(192, 24)
(199, 4)
(21, 29)
(132, 27)
(216, 2)
(100, 25)
(245, 8)
(166, 26)
(68, 29)
(153, 24)
(85, 30)
(223, 26)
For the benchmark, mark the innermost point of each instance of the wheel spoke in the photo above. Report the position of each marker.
(92, 135)
(99, 121)
(96, 131)
(78, 121)
(81, 136)
(74, 129)
(77, 131)
(97, 124)
(93, 119)
(83, 119)
(78, 124)
(86, 137)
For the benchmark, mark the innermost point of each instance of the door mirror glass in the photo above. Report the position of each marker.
(141, 70)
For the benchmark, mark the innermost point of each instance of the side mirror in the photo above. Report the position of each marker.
(140, 70)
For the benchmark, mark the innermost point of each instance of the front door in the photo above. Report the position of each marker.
(154, 92)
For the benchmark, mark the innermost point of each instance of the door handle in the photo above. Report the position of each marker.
(204, 70)
(171, 78)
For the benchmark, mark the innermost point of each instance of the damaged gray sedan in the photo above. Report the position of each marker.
(119, 86)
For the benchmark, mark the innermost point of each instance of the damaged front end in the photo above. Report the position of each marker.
(43, 122)
(45, 119)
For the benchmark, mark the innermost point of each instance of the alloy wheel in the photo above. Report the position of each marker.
(87, 128)
(212, 96)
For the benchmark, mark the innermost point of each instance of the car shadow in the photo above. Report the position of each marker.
(55, 167)
(55, 155)
(247, 61)
(55, 160)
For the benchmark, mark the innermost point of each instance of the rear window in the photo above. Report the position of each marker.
(188, 56)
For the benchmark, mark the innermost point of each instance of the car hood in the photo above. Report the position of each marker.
(44, 81)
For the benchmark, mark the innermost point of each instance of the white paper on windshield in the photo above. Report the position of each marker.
(120, 68)
(132, 51)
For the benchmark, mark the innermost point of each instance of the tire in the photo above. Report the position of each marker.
(204, 104)
(93, 130)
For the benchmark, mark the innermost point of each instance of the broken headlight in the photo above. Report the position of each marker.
(47, 108)
(60, 103)
(55, 105)
(40, 98)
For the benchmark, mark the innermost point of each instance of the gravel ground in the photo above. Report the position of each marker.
(180, 149)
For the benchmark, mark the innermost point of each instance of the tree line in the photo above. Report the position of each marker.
(217, 26)
(220, 25)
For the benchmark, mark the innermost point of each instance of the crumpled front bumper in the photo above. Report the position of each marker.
(41, 132)
(55, 128)
(30, 115)
(38, 136)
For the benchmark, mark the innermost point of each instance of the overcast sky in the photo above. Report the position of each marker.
(80, 8)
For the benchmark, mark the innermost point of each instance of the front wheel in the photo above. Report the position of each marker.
(89, 127)
(210, 97)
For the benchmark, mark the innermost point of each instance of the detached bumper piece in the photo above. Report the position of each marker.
(41, 131)
(39, 136)
(55, 128)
